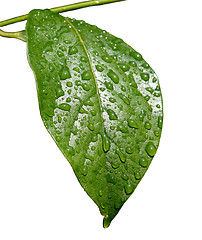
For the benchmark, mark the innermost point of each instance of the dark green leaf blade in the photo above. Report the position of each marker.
(101, 103)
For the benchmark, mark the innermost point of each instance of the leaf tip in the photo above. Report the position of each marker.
(106, 221)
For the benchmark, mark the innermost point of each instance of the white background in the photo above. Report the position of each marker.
(40, 198)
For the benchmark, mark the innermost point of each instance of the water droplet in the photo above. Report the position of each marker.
(82, 110)
(102, 89)
(125, 67)
(88, 102)
(129, 150)
(112, 100)
(58, 138)
(71, 150)
(114, 47)
(157, 133)
(85, 171)
(154, 80)
(59, 118)
(128, 188)
(132, 123)
(122, 128)
(107, 59)
(59, 92)
(69, 84)
(86, 87)
(68, 99)
(147, 125)
(65, 73)
(133, 64)
(95, 138)
(67, 41)
(124, 98)
(100, 193)
(93, 112)
(146, 65)
(114, 77)
(123, 88)
(64, 106)
(86, 75)
(136, 55)
(106, 143)
(149, 89)
(76, 69)
(143, 162)
(157, 94)
(150, 149)
(73, 50)
(147, 97)
(78, 83)
(93, 148)
(144, 76)
(125, 177)
(137, 175)
(157, 88)
(160, 121)
(109, 85)
(121, 156)
(115, 165)
(60, 54)
(63, 48)
(112, 114)
(84, 59)
(91, 126)
(99, 68)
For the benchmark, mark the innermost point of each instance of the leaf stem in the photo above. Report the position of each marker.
(61, 9)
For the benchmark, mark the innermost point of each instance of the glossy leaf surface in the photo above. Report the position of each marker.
(101, 103)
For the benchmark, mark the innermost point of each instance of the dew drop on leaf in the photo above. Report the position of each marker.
(64, 106)
(150, 149)
(65, 73)
(73, 50)
(107, 59)
(137, 175)
(132, 123)
(112, 100)
(143, 162)
(129, 150)
(124, 98)
(121, 156)
(99, 68)
(147, 125)
(112, 114)
(160, 122)
(86, 75)
(144, 76)
(114, 77)
(128, 188)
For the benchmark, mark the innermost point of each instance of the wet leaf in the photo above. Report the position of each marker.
(101, 103)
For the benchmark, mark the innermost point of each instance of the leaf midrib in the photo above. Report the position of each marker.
(96, 85)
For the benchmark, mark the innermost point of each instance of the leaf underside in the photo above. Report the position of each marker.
(101, 103)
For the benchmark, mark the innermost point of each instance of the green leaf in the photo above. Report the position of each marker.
(101, 103)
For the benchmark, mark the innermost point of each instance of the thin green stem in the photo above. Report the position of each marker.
(18, 35)
(61, 9)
